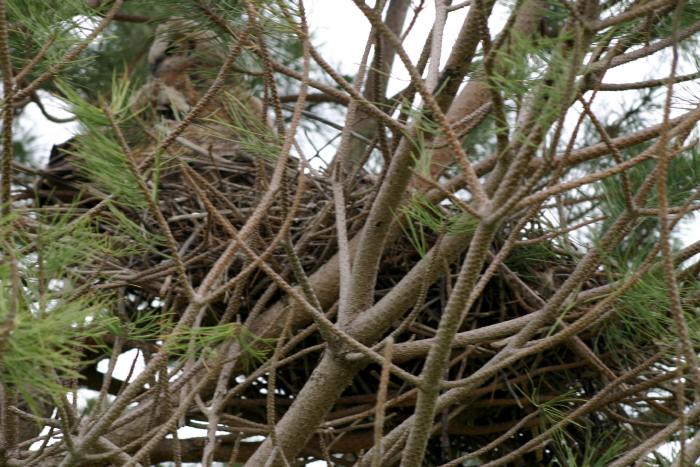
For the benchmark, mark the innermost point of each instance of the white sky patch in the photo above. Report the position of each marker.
(124, 363)
(340, 30)
(45, 132)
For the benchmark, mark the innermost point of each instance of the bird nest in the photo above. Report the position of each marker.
(235, 181)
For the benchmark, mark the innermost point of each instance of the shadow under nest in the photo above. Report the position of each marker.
(235, 183)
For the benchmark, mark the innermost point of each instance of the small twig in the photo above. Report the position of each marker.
(380, 407)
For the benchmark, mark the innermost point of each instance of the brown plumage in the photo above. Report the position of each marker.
(176, 54)
(181, 61)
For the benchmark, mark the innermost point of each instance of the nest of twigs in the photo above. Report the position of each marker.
(235, 182)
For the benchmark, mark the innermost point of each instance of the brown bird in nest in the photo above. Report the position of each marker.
(177, 53)
(181, 61)
(181, 56)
